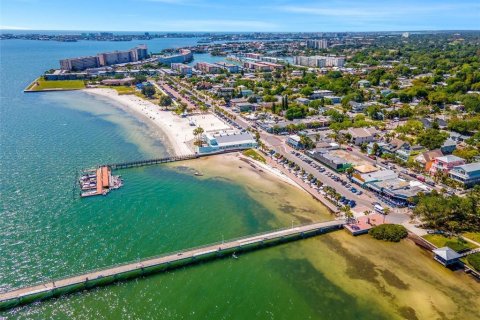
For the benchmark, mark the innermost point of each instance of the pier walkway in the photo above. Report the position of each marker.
(141, 163)
(161, 263)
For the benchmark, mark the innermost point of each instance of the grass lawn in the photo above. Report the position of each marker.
(453, 242)
(475, 236)
(41, 84)
(121, 89)
(473, 261)
(254, 155)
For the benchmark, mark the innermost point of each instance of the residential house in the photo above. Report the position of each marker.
(389, 148)
(362, 135)
(364, 83)
(448, 146)
(407, 151)
(357, 107)
(446, 163)
(427, 158)
(303, 101)
(467, 174)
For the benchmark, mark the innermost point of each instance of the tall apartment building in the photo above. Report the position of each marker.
(317, 44)
(105, 59)
(319, 61)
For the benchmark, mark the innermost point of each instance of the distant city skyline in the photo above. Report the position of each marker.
(240, 15)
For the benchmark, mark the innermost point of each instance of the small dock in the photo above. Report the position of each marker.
(161, 263)
(98, 181)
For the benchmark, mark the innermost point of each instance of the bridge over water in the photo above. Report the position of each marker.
(160, 263)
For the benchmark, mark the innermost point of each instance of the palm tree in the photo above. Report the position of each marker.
(197, 132)
(348, 213)
(386, 212)
(366, 213)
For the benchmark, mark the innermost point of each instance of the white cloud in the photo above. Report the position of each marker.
(213, 25)
(13, 28)
(377, 11)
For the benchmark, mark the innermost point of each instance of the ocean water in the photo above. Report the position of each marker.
(47, 231)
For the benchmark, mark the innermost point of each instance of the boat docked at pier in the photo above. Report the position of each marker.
(98, 181)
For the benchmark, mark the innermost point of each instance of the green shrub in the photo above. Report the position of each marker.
(474, 261)
(389, 232)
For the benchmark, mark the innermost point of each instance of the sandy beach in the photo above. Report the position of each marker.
(177, 130)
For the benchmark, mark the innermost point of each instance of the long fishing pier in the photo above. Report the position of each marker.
(102, 277)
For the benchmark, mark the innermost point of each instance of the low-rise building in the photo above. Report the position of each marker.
(408, 151)
(227, 142)
(446, 163)
(468, 174)
(331, 161)
(427, 158)
(181, 68)
(118, 82)
(294, 141)
(362, 135)
(208, 67)
(232, 68)
(317, 94)
(357, 107)
(448, 146)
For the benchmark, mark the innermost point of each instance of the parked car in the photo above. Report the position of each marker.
(349, 149)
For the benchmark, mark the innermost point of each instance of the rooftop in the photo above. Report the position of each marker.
(449, 158)
(446, 253)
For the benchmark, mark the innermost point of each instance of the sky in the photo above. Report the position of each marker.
(240, 15)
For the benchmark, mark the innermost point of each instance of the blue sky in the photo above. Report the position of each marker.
(240, 15)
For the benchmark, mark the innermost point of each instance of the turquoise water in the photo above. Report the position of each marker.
(47, 231)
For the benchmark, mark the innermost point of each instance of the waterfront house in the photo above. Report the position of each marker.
(468, 174)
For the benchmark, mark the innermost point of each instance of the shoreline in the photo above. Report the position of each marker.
(172, 126)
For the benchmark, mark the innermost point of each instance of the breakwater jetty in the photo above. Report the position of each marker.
(121, 272)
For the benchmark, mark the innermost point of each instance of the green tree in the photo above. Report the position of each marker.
(165, 101)
(148, 91)
(432, 139)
